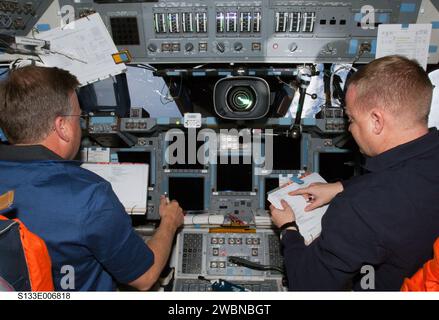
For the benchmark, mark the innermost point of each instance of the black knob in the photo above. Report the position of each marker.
(221, 47)
(189, 47)
(293, 47)
(152, 47)
(313, 96)
(238, 46)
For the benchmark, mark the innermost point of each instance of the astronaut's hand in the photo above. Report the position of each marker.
(281, 217)
(171, 213)
(318, 194)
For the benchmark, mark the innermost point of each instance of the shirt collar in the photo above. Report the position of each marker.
(27, 153)
(404, 152)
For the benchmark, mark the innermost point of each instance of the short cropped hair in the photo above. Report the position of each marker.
(30, 100)
(396, 84)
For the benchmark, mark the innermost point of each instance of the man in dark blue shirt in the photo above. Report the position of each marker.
(87, 231)
(379, 227)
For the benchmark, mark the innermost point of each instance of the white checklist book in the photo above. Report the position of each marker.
(310, 223)
(411, 41)
(129, 182)
(84, 47)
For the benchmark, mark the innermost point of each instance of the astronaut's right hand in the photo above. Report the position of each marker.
(171, 213)
(318, 194)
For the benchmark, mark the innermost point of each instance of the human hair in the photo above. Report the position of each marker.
(396, 84)
(30, 100)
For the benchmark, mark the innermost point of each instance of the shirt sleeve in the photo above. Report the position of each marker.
(109, 235)
(333, 260)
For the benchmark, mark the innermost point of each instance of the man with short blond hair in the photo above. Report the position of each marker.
(379, 227)
(396, 84)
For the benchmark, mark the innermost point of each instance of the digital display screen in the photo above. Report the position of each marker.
(234, 177)
(134, 157)
(103, 120)
(285, 153)
(336, 166)
(189, 192)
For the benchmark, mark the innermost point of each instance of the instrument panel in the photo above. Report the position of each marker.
(263, 31)
(205, 253)
(17, 17)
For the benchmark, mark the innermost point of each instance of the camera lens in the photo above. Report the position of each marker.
(241, 99)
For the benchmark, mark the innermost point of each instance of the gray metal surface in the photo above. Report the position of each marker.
(261, 31)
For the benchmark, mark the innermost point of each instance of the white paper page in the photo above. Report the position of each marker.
(98, 155)
(129, 182)
(412, 42)
(87, 40)
(310, 223)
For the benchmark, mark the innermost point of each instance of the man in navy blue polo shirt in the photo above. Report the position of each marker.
(379, 227)
(84, 225)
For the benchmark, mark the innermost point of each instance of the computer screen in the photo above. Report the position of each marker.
(285, 153)
(134, 156)
(189, 192)
(336, 166)
(234, 177)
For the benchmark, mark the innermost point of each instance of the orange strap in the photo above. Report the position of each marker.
(37, 259)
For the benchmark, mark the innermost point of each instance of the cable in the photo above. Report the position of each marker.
(313, 96)
(143, 66)
(254, 265)
(199, 66)
(223, 285)
(358, 56)
(287, 84)
(19, 63)
(67, 56)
